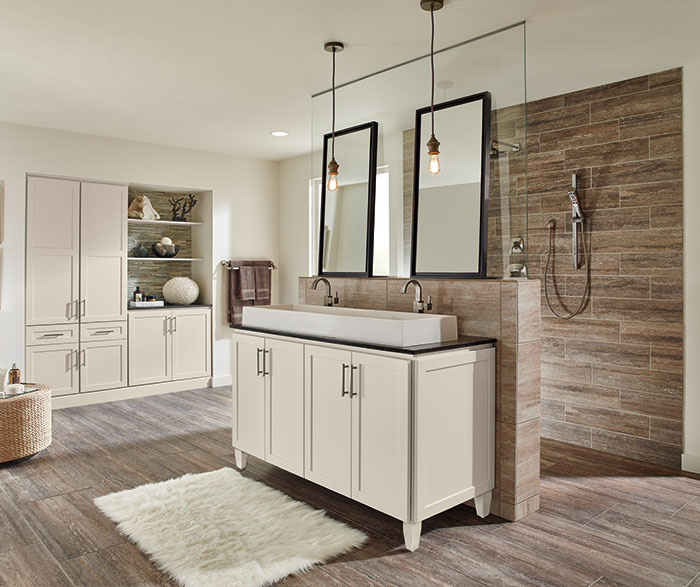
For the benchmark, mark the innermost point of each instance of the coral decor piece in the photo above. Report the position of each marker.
(142, 209)
(182, 208)
(181, 290)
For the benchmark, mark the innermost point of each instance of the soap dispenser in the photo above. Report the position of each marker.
(14, 375)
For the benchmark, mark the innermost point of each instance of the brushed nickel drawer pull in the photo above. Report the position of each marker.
(101, 332)
(52, 335)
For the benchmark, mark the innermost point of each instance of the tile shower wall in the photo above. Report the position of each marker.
(612, 378)
(508, 310)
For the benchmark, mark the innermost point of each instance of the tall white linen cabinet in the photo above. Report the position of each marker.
(77, 323)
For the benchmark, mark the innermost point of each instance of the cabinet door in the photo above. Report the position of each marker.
(248, 395)
(53, 250)
(284, 397)
(103, 244)
(191, 339)
(328, 415)
(380, 433)
(102, 365)
(55, 366)
(149, 347)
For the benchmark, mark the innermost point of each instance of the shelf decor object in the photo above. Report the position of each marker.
(182, 208)
(142, 208)
(181, 290)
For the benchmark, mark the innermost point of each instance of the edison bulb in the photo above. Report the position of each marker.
(434, 164)
(332, 182)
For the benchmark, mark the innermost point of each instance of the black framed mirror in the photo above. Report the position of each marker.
(450, 209)
(346, 239)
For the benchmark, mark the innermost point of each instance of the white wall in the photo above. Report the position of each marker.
(691, 241)
(244, 211)
(294, 225)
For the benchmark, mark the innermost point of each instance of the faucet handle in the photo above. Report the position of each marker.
(336, 299)
(429, 305)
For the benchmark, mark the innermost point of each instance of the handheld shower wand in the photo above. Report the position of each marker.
(576, 220)
(576, 223)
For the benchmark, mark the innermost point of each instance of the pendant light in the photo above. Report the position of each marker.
(333, 47)
(433, 144)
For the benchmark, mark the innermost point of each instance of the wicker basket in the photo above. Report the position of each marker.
(25, 424)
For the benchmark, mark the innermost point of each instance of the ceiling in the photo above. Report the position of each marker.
(218, 75)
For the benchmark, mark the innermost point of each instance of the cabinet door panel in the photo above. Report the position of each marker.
(284, 413)
(191, 343)
(103, 245)
(248, 395)
(55, 366)
(53, 250)
(149, 347)
(454, 429)
(102, 365)
(328, 418)
(380, 431)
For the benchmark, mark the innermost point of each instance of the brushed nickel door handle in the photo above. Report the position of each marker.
(259, 371)
(344, 391)
(265, 366)
(352, 381)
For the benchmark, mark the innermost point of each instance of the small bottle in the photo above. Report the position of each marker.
(138, 296)
(14, 375)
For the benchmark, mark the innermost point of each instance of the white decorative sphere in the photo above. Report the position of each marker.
(181, 290)
(166, 241)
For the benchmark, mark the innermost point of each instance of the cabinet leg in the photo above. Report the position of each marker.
(483, 504)
(241, 458)
(411, 535)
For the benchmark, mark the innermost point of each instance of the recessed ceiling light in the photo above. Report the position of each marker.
(279, 133)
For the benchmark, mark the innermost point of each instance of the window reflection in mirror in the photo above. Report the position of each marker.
(346, 235)
(449, 224)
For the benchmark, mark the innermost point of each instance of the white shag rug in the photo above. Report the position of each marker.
(221, 529)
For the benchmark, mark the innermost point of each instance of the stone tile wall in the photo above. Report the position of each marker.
(612, 378)
(508, 310)
(150, 276)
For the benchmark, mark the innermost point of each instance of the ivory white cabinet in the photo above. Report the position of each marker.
(103, 252)
(103, 365)
(410, 435)
(53, 251)
(268, 401)
(169, 345)
(55, 365)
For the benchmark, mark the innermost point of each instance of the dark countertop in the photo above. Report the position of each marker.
(170, 307)
(461, 342)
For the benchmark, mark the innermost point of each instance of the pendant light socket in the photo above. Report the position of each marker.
(334, 46)
(433, 146)
(432, 4)
(333, 167)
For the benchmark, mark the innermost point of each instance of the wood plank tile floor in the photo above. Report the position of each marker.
(604, 520)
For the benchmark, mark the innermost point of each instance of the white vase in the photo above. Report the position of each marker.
(181, 290)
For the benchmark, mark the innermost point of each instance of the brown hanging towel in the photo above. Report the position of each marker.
(250, 275)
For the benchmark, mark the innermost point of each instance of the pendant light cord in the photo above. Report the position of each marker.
(333, 125)
(432, 70)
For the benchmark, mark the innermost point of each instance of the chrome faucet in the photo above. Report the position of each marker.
(328, 300)
(418, 304)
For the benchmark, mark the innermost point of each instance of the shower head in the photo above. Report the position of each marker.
(575, 207)
(496, 152)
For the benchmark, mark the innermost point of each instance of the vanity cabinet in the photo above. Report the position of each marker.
(169, 345)
(54, 363)
(410, 435)
(268, 401)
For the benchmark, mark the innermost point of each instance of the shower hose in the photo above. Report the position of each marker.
(550, 225)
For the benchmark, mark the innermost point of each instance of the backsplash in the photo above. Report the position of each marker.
(508, 310)
(612, 379)
(148, 275)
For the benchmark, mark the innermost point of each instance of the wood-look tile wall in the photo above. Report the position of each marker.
(508, 310)
(612, 378)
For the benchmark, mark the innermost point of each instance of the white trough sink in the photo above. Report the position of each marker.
(400, 329)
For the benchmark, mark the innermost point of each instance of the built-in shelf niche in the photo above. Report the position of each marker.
(193, 236)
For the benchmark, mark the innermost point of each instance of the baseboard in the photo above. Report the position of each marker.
(222, 380)
(113, 395)
(690, 463)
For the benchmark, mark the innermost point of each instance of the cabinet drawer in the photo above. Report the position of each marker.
(62, 334)
(102, 331)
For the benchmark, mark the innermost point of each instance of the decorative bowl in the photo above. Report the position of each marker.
(165, 251)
